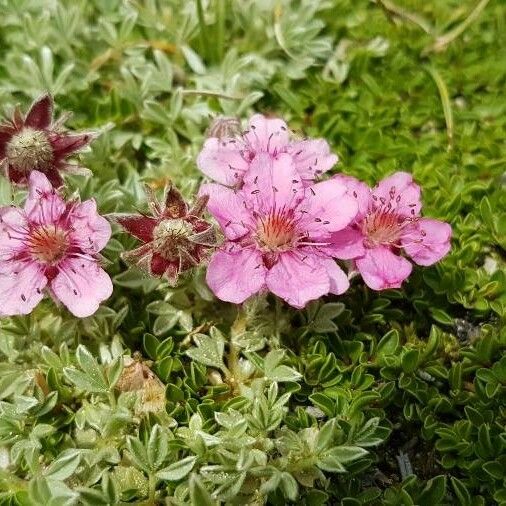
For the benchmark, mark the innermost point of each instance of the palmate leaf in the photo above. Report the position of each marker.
(209, 350)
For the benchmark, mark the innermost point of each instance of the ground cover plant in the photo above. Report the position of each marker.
(139, 383)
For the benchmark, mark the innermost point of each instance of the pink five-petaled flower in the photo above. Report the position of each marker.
(389, 222)
(35, 142)
(277, 234)
(226, 159)
(175, 238)
(52, 244)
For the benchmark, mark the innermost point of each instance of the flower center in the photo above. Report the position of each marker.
(384, 227)
(169, 236)
(277, 231)
(48, 244)
(30, 149)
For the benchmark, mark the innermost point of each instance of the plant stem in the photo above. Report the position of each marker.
(203, 29)
(277, 334)
(220, 29)
(391, 8)
(443, 40)
(152, 489)
(445, 100)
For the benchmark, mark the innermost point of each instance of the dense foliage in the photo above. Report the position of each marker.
(169, 396)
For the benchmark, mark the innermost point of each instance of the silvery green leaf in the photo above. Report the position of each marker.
(63, 467)
(198, 492)
(157, 447)
(138, 454)
(275, 372)
(177, 470)
(209, 351)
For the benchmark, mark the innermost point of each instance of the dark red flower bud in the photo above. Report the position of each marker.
(175, 238)
(35, 142)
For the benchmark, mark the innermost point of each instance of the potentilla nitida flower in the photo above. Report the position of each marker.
(175, 237)
(389, 223)
(35, 142)
(52, 245)
(228, 154)
(278, 232)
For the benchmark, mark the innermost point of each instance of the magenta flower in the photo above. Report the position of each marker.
(52, 244)
(389, 223)
(175, 238)
(35, 142)
(276, 234)
(226, 159)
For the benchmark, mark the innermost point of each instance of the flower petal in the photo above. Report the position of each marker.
(327, 208)
(311, 157)
(346, 244)
(81, 284)
(175, 206)
(272, 183)
(359, 191)
(21, 287)
(159, 265)
(54, 176)
(234, 276)
(222, 160)
(401, 192)
(5, 137)
(13, 230)
(40, 114)
(43, 205)
(382, 269)
(66, 144)
(16, 175)
(298, 278)
(428, 241)
(137, 225)
(228, 207)
(339, 282)
(90, 230)
(266, 135)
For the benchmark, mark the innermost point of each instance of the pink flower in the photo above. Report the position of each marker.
(174, 239)
(35, 142)
(388, 222)
(52, 244)
(276, 231)
(225, 159)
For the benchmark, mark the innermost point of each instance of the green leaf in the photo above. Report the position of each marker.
(388, 344)
(334, 458)
(177, 470)
(347, 454)
(441, 316)
(63, 467)
(138, 454)
(84, 382)
(209, 351)
(150, 343)
(495, 469)
(463, 496)
(434, 491)
(275, 372)
(198, 493)
(157, 447)
(409, 361)
(88, 364)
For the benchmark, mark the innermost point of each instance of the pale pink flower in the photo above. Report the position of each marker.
(389, 223)
(276, 231)
(226, 158)
(52, 244)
